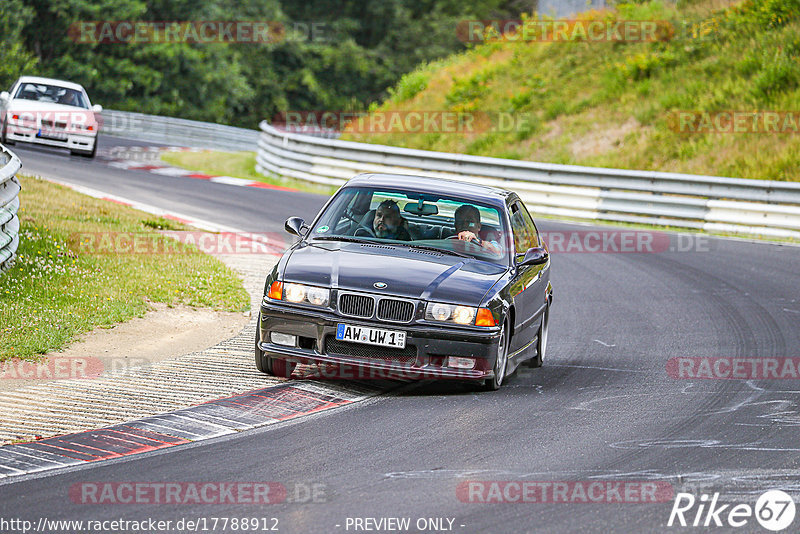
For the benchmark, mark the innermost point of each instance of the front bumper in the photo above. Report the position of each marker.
(427, 345)
(73, 141)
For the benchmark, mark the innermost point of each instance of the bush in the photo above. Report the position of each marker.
(409, 86)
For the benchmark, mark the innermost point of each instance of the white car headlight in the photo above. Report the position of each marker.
(463, 315)
(438, 311)
(318, 296)
(300, 293)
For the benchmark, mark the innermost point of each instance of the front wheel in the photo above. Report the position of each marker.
(280, 368)
(4, 136)
(501, 362)
(86, 154)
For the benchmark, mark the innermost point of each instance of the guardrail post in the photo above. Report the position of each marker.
(9, 207)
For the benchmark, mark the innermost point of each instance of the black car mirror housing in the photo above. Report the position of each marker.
(535, 256)
(296, 226)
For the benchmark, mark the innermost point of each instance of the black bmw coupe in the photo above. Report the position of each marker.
(410, 277)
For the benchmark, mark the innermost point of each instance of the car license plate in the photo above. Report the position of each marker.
(371, 336)
(51, 134)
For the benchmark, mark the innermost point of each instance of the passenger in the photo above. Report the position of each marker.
(388, 223)
(468, 228)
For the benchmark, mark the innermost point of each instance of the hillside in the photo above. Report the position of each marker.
(640, 105)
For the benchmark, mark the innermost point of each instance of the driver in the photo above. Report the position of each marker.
(388, 223)
(69, 98)
(468, 228)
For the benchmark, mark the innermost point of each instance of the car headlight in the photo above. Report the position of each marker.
(299, 293)
(464, 315)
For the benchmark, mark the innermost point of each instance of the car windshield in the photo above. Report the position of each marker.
(41, 92)
(411, 218)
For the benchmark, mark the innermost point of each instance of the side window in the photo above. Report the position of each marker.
(533, 232)
(525, 235)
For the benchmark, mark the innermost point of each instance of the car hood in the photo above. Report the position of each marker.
(20, 104)
(410, 273)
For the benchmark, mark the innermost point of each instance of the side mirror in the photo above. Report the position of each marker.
(296, 226)
(535, 256)
(4, 96)
(97, 108)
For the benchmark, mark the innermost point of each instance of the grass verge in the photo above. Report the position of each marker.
(238, 165)
(56, 291)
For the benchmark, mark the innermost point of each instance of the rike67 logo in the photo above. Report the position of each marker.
(774, 510)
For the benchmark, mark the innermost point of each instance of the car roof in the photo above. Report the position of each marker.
(50, 81)
(426, 184)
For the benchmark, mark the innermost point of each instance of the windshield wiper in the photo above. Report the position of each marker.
(434, 249)
(349, 239)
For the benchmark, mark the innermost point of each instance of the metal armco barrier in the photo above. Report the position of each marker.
(9, 206)
(177, 132)
(711, 203)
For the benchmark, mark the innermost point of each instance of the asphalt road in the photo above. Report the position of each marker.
(603, 408)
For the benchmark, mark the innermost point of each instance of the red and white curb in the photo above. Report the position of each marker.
(204, 421)
(148, 159)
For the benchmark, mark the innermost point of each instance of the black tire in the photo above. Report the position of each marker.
(3, 137)
(93, 153)
(501, 363)
(280, 368)
(541, 340)
(272, 366)
(261, 358)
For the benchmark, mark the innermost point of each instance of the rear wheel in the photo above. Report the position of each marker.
(501, 362)
(541, 341)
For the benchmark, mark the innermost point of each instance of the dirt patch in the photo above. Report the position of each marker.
(164, 332)
(603, 140)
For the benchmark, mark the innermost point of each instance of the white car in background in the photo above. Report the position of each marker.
(49, 112)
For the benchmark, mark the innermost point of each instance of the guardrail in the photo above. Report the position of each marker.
(9, 206)
(178, 132)
(711, 203)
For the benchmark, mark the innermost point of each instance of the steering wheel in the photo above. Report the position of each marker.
(361, 230)
(467, 245)
(477, 241)
(361, 226)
